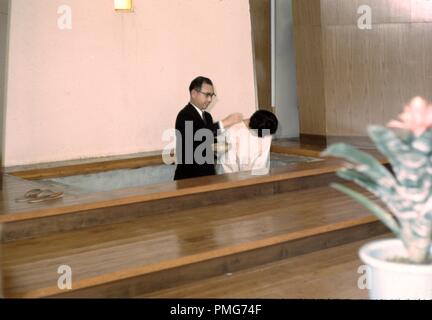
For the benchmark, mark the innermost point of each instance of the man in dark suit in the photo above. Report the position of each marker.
(196, 132)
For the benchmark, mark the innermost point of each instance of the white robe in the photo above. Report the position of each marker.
(246, 151)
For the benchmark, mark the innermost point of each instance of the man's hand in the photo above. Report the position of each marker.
(232, 119)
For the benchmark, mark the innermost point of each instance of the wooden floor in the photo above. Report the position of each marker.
(14, 187)
(120, 251)
(77, 210)
(326, 274)
(152, 255)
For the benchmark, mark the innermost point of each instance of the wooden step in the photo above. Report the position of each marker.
(127, 259)
(77, 211)
(15, 187)
(325, 274)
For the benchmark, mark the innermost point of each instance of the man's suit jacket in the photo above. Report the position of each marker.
(183, 169)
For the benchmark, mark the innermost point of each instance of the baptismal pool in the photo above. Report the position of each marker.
(126, 178)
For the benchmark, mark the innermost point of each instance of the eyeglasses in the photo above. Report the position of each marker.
(207, 94)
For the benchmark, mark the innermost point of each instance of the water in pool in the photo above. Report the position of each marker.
(126, 178)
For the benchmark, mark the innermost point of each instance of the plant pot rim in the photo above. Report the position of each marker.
(369, 254)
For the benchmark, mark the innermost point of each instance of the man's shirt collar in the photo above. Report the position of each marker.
(198, 109)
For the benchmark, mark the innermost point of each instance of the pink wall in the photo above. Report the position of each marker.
(4, 18)
(116, 81)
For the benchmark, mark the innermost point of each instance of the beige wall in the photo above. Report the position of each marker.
(309, 66)
(368, 75)
(3, 48)
(116, 81)
(3, 52)
(371, 74)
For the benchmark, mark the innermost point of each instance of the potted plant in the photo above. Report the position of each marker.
(399, 268)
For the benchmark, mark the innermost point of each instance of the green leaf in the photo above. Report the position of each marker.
(387, 140)
(363, 181)
(375, 170)
(388, 143)
(382, 214)
(387, 195)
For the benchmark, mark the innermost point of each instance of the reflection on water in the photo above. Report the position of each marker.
(280, 160)
(127, 178)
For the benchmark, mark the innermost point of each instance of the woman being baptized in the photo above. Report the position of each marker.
(248, 144)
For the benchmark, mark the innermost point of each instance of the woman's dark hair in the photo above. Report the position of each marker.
(265, 122)
(197, 83)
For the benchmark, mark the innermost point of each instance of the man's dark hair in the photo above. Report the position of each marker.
(197, 83)
(264, 122)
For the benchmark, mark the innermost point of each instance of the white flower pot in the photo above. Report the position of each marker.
(393, 280)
